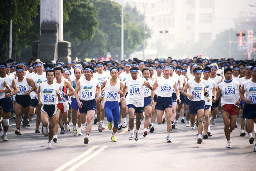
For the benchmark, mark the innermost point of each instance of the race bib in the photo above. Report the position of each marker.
(22, 89)
(49, 98)
(86, 94)
(166, 88)
(112, 95)
(252, 98)
(134, 91)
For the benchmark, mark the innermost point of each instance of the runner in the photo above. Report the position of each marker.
(85, 95)
(229, 103)
(164, 86)
(135, 100)
(196, 93)
(49, 94)
(249, 88)
(21, 106)
(148, 100)
(7, 90)
(113, 89)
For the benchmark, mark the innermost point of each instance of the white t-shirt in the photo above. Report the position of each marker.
(38, 79)
(165, 86)
(250, 90)
(197, 89)
(135, 94)
(88, 89)
(229, 91)
(209, 85)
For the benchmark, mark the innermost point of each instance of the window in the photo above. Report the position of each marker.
(205, 18)
(206, 4)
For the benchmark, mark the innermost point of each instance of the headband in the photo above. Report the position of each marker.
(247, 67)
(198, 71)
(134, 70)
(214, 67)
(184, 70)
(67, 72)
(253, 68)
(39, 64)
(20, 70)
(2, 66)
(114, 69)
(206, 71)
(151, 68)
(88, 69)
(99, 65)
(178, 69)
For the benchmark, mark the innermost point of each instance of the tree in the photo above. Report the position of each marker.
(21, 12)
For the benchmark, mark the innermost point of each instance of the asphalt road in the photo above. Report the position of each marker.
(28, 152)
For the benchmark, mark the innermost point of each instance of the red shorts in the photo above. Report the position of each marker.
(63, 107)
(231, 109)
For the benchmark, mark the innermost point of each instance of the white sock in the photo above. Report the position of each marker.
(124, 120)
(113, 133)
(169, 134)
(209, 128)
(74, 127)
(152, 124)
(145, 129)
(250, 135)
(199, 135)
(131, 132)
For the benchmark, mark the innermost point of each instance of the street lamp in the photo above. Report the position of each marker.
(122, 31)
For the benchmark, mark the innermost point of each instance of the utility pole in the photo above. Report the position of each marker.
(10, 41)
(122, 31)
(144, 27)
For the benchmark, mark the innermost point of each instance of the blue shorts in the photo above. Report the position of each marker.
(23, 100)
(194, 106)
(74, 104)
(88, 105)
(33, 102)
(249, 111)
(155, 98)
(207, 106)
(242, 103)
(186, 100)
(217, 103)
(147, 101)
(163, 103)
(137, 109)
(6, 104)
(174, 97)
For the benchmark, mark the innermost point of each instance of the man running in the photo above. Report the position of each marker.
(85, 92)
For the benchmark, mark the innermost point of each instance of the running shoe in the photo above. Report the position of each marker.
(205, 136)
(124, 124)
(193, 126)
(48, 146)
(136, 136)
(242, 133)
(37, 131)
(74, 131)
(199, 140)
(4, 137)
(80, 132)
(95, 120)
(110, 125)
(163, 121)
(209, 134)
(86, 140)
(251, 140)
(103, 126)
(131, 137)
(62, 131)
(113, 138)
(173, 125)
(145, 133)
(228, 144)
(55, 139)
(168, 139)
(187, 124)
(17, 132)
(152, 129)
(182, 120)
(100, 127)
(67, 128)
(120, 127)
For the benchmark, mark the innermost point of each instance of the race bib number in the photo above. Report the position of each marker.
(49, 98)
(197, 94)
(134, 91)
(86, 94)
(146, 92)
(22, 89)
(112, 95)
(252, 98)
(166, 88)
(230, 91)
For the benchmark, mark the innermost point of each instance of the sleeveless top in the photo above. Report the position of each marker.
(22, 86)
(48, 93)
(111, 92)
(87, 89)
(165, 87)
(197, 89)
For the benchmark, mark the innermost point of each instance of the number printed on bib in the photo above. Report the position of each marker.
(166, 88)
(112, 95)
(134, 91)
(22, 89)
(197, 92)
(49, 96)
(86, 92)
(229, 90)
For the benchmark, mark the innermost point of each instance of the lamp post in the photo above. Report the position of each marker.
(122, 31)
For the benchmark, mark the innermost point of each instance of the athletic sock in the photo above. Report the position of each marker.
(250, 135)
(145, 129)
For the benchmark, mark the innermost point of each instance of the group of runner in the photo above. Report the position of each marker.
(86, 93)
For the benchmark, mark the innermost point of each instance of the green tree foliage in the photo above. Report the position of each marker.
(21, 12)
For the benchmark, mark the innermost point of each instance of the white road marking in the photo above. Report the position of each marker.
(76, 159)
(87, 159)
